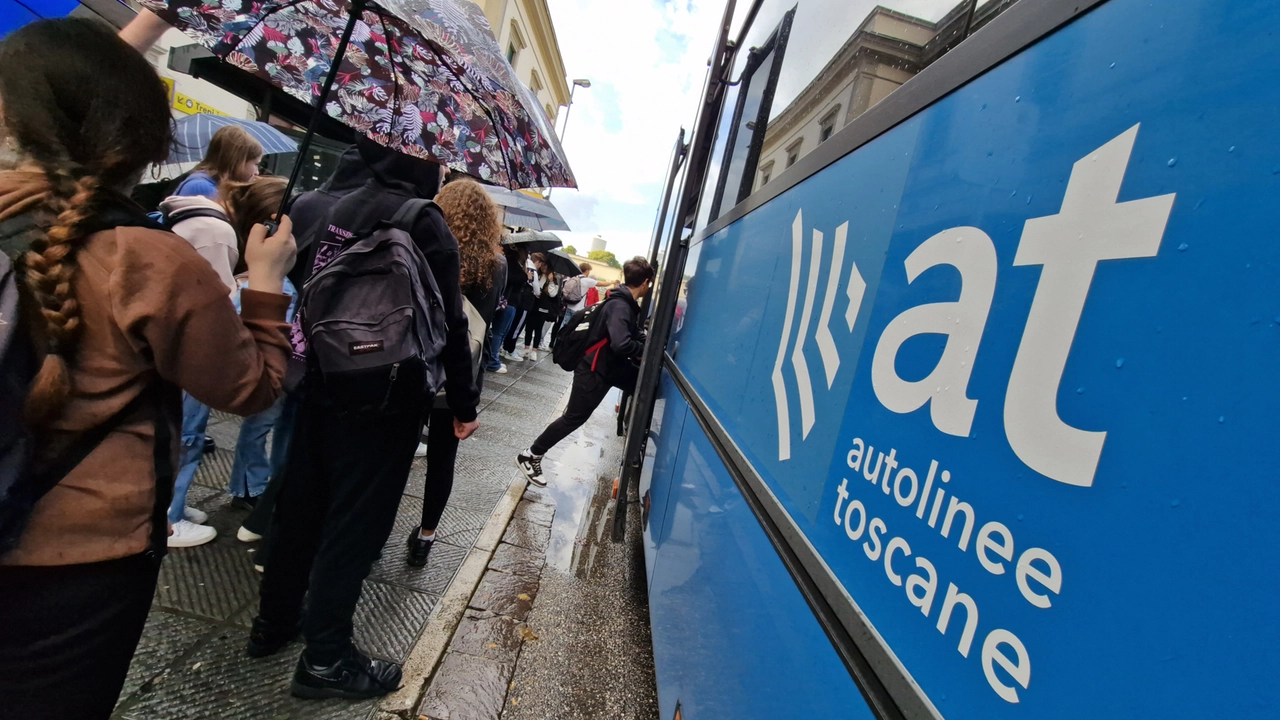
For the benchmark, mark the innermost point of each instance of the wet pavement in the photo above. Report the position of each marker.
(191, 663)
(558, 626)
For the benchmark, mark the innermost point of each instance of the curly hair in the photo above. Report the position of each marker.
(473, 218)
(91, 113)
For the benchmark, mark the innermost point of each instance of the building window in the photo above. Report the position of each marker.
(514, 45)
(766, 174)
(535, 82)
(827, 125)
(551, 113)
(793, 152)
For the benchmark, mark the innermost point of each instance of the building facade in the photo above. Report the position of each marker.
(528, 38)
(885, 51)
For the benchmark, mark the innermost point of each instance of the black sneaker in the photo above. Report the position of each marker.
(419, 548)
(209, 445)
(248, 502)
(264, 642)
(354, 677)
(532, 466)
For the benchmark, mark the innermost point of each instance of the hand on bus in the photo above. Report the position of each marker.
(463, 430)
(270, 258)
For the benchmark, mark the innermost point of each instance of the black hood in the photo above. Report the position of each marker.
(397, 171)
(351, 173)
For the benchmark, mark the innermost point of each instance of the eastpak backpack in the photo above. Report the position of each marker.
(374, 320)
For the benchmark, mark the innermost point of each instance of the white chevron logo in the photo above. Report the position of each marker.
(854, 290)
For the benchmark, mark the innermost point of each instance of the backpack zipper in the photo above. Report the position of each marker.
(386, 399)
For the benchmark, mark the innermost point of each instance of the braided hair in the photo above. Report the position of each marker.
(88, 110)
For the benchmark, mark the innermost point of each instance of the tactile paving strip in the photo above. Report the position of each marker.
(215, 468)
(442, 565)
(165, 638)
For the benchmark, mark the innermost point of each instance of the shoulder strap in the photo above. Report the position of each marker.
(407, 216)
(193, 213)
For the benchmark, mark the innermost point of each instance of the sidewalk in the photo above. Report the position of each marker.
(191, 662)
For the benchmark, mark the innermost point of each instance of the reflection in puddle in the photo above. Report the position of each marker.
(582, 487)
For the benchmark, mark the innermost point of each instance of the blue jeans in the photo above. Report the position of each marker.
(501, 324)
(195, 418)
(251, 470)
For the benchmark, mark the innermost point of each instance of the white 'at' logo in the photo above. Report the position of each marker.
(1090, 227)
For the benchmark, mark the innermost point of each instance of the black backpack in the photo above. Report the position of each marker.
(574, 341)
(24, 478)
(374, 320)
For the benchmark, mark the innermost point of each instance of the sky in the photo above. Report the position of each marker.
(646, 60)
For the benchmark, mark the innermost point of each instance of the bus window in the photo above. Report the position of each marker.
(808, 68)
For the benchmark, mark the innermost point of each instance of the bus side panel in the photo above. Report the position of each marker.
(732, 636)
(663, 445)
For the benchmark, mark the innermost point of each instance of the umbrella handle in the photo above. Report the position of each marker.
(356, 11)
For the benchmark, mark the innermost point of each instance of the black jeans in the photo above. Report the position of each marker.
(533, 327)
(67, 634)
(343, 481)
(589, 389)
(513, 333)
(442, 453)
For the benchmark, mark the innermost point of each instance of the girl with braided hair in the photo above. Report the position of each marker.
(116, 310)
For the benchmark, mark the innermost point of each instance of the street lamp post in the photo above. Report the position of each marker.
(579, 83)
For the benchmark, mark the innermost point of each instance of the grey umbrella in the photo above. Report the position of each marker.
(525, 211)
(533, 241)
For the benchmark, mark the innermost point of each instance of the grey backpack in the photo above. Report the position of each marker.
(374, 321)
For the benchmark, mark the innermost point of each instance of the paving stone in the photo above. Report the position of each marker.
(460, 526)
(215, 468)
(527, 535)
(219, 682)
(466, 688)
(536, 513)
(502, 594)
(492, 637)
(213, 580)
(442, 565)
(515, 560)
(389, 619)
(535, 494)
(165, 638)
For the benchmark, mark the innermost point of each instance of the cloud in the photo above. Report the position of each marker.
(646, 63)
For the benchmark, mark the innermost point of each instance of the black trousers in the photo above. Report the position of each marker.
(589, 389)
(513, 333)
(343, 481)
(538, 317)
(442, 453)
(67, 634)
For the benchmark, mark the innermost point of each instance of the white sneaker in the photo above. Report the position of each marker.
(421, 452)
(532, 466)
(533, 355)
(246, 535)
(506, 355)
(502, 369)
(188, 534)
(516, 357)
(191, 514)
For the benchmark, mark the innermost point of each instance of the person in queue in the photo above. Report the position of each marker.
(617, 343)
(345, 473)
(119, 315)
(505, 318)
(473, 218)
(233, 157)
(546, 301)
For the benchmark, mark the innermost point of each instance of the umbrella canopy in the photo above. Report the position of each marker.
(561, 264)
(192, 134)
(533, 241)
(423, 77)
(525, 211)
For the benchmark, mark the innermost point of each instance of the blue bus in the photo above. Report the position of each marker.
(964, 365)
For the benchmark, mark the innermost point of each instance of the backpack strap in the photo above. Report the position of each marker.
(192, 213)
(407, 216)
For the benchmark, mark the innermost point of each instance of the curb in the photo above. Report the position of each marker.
(434, 639)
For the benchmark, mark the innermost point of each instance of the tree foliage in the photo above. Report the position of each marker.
(604, 256)
(571, 250)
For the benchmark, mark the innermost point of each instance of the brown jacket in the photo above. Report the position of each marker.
(149, 304)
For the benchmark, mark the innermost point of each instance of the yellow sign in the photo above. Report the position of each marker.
(191, 106)
(168, 88)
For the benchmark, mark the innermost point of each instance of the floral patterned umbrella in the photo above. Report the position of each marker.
(424, 77)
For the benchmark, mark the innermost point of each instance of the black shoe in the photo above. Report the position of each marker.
(209, 445)
(532, 466)
(263, 641)
(419, 548)
(354, 677)
(244, 503)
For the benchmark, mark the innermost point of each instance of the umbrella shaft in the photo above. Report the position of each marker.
(356, 11)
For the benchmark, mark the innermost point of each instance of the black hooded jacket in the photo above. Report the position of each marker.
(393, 179)
(619, 322)
(310, 208)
